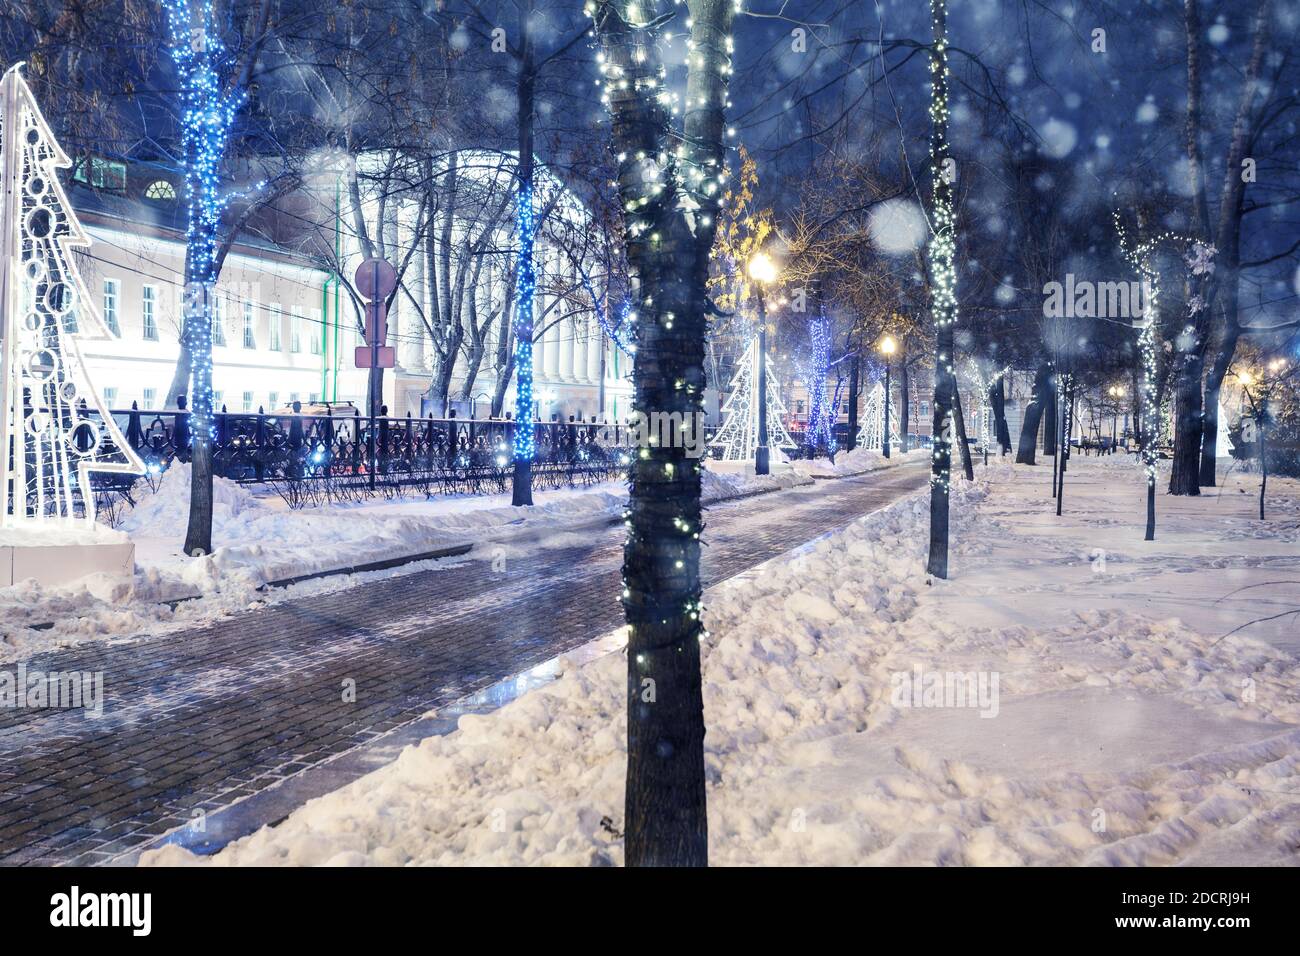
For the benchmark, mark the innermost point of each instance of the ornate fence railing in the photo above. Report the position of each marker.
(313, 458)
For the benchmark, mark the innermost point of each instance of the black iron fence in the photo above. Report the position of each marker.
(312, 458)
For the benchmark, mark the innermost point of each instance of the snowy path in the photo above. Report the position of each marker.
(194, 722)
(1113, 732)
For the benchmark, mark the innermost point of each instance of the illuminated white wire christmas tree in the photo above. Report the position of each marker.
(873, 419)
(738, 436)
(49, 439)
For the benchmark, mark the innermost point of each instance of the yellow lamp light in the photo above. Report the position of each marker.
(762, 268)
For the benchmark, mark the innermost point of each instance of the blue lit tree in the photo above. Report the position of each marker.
(512, 28)
(823, 408)
(208, 106)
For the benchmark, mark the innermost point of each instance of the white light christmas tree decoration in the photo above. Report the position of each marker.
(873, 420)
(738, 436)
(1224, 446)
(49, 438)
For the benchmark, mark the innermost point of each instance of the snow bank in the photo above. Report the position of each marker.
(859, 461)
(1119, 734)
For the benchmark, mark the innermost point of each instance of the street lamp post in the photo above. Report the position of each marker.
(888, 347)
(1246, 380)
(1259, 411)
(762, 270)
(1116, 394)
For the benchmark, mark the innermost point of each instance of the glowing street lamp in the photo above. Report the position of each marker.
(763, 271)
(888, 346)
(1116, 392)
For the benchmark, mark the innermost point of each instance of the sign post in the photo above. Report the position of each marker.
(375, 281)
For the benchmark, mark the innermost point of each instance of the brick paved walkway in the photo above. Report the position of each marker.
(195, 721)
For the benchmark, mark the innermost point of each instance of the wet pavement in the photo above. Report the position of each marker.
(196, 721)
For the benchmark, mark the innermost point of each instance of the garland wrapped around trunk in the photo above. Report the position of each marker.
(669, 183)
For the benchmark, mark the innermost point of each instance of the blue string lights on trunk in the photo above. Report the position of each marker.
(822, 411)
(207, 116)
(525, 226)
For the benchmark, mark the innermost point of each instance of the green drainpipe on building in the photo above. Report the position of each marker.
(331, 361)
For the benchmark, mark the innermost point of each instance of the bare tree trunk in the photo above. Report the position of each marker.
(998, 402)
(853, 405)
(180, 383)
(905, 411)
(1221, 353)
(473, 360)
(1051, 406)
(1263, 469)
(1033, 417)
(440, 385)
(1185, 471)
(960, 418)
(505, 370)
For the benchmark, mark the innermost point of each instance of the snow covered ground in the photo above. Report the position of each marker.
(258, 539)
(1109, 719)
(856, 462)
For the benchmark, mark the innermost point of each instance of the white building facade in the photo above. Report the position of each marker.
(286, 331)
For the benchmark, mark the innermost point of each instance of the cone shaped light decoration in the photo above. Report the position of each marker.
(738, 436)
(873, 419)
(49, 437)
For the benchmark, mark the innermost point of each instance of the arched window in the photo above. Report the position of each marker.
(160, 189)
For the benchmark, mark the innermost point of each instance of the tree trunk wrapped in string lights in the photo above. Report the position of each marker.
(943, 291)
(525, 447)
(1143, 259)
(207, 115)
(669, 183)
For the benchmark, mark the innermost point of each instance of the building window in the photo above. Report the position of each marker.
(112, 288)
(313, 398)
(925, 409)
(295, 329)
(249, 315)
(160, 189)
(150, 396)
(273, 401)
(110, 397)
(293, 397)
(315, 335)
(277, 321)
(216, 401)
(248, 401)
(218, 321)
(102, 174)
(148, 313)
